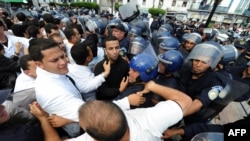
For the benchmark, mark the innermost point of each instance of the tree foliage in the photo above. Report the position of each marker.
(89, 5)
(156, 11)
(117, 6)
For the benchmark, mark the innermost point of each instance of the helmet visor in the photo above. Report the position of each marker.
(136, 48)
(207, 53)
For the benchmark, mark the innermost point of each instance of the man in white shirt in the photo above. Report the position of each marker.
(87, 82)
(26, 79)
(10, 41)
(142, 124)
(24, 91)
(72, 37)
(98, 52)
(55, 92)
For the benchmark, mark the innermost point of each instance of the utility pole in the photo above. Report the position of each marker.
(216, 3)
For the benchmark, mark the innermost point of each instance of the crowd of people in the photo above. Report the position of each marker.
(88, 76)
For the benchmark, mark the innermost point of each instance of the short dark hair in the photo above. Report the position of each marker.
(57, 21)
(23, 62)
(33, 31)
(109, 124)
(79, 28)
(110, 38)
(48, 27)
(69, 31)
(21, 17)
(48, 18)
(36, 47)
(18, 30)
(79, 53)
(92, 41)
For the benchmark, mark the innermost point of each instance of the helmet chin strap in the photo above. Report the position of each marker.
(138, 79)
(168, 74)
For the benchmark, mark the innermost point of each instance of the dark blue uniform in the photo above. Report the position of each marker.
(170, 81)
(110, 88)
(198, 89)
(124, 43)
(236, 72)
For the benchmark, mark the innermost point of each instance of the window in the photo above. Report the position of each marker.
(184, 4)
(128, 0)
(160, 3)
(174, 3)
(144, 2)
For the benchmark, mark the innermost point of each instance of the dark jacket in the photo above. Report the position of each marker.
(8, 72)
(198, 89)
(110, 88)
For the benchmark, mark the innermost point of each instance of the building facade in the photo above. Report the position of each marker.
(228, 11)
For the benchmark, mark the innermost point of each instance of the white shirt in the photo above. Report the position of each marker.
(24, 82)
(85, 79)
(68, 47)
(57, 94)
(148, 124)
(11, 49)
(62, 34)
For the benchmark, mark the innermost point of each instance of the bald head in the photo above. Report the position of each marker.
(103, 120)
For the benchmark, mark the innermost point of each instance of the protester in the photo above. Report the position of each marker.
(132, 125)
(117, 80)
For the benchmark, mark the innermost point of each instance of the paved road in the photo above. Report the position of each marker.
(233, 112)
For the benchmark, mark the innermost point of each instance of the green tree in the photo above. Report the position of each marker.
(156, 11)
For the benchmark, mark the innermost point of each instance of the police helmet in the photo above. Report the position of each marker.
(166, 27)
(95, 25)
(230, 53)
(114, 22)
(172, 59)
(127, 26)
(169, 43)
(117, 23)
(184, 37)
(194, 37)
(209, 52)
(137, 45)
(134, 32)
(86, 11)
(100, 26)
(240, 43)
(144, 27)
(162, 35)
(146, 65)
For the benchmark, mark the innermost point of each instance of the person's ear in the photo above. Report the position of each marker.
(39, 64)
(27, 72)
(89, 59)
